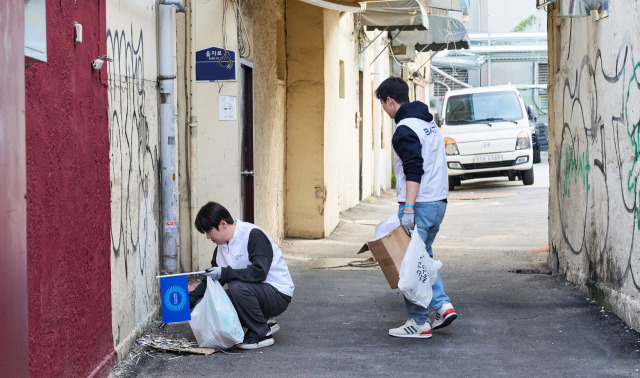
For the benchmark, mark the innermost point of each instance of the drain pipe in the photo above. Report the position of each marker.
(177, 3)
(166, 77)
(377, 123)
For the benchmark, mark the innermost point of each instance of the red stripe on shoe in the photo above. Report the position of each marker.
(449, 312)
(426, 332)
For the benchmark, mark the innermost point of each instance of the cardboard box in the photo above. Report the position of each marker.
(389, 251)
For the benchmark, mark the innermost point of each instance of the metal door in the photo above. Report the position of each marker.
(246, 111)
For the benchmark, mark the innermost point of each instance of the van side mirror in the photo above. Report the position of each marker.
(437, 119)
(531, 113)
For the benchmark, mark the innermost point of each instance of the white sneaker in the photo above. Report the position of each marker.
(412, 329)
(444, 316)
(273, 326)
(268, 341)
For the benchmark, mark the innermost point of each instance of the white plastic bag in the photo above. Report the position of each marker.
(214, 320)
(418, 272)
(386, 226)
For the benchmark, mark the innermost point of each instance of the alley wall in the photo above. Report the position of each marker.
(216, 143)
(305, 186)
(341, 136)
(268, 55)
(594, 198)
(333, 158)
(134, 166)
(215, 146)
(312, 157)
(68, 214)
(14, 359)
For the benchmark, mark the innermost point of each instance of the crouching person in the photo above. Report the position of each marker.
(250, 262)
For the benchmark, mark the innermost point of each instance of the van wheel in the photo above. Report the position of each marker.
(452, 184)
(536, 156)
(527, 177)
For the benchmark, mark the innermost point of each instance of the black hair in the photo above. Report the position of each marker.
(393, 87)
(210, 216)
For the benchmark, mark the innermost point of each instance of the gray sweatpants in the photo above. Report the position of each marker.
(255, 303)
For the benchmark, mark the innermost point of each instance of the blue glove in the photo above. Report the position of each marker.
(408, 222)
(215, 273)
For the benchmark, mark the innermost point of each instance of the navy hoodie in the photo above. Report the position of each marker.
(406, 143)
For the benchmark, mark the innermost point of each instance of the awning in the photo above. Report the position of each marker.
(405, 14)
(444, 33)
(358, 5)
(398, 14)
(339, 5)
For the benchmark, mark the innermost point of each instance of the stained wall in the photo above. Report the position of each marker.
(215, 154)
(133, 166)
(594, 148)
(305, 171)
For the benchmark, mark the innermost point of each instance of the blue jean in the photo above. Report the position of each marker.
(428, 216)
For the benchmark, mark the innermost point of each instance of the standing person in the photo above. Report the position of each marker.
(246, 258)
(422, 187)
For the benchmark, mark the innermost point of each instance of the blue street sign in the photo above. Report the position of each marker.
(215, 64)
(175, 299)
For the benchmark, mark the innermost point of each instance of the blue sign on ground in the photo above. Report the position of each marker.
(215, 64)
(175, 299)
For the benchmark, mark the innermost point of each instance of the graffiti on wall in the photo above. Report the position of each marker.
(134, 171)
(597, 168)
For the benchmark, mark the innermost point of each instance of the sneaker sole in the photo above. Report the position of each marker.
(414, 336)
(262, 344)
(448, 320)
(273, 329)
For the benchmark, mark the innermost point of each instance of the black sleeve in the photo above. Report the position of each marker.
(196, 294)
(408, 147)
(260, 255)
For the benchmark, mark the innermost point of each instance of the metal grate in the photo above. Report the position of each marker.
(493, 164)
(543, 75)
(439, 90)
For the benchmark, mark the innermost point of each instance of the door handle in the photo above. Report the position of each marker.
(246, 173)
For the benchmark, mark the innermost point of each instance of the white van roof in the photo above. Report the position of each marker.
(494, 88)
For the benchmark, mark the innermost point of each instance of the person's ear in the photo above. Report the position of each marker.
(223, 224)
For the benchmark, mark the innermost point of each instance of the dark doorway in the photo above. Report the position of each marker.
(246, 111)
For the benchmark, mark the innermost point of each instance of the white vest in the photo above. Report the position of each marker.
(434, 184)
(235, 254)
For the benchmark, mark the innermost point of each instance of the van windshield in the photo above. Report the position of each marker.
(483, 107)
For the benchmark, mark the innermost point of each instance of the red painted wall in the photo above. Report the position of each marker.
(68, 210)
(13, 209)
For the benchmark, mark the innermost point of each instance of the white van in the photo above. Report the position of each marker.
(486, 134)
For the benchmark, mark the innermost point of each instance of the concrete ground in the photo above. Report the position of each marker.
(514, 318)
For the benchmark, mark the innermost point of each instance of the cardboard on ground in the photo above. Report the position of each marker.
(389, 251)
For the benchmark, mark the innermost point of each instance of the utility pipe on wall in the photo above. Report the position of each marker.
(442, 73)
(193, 143)
(177, 3)
(377, 123)
(166, 77)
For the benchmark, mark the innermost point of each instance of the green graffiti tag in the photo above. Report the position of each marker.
(575, 166)
(633, 131)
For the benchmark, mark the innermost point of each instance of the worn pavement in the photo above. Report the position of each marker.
(514, 318)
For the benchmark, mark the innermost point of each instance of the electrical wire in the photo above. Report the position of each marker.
(225, 60)
(244, 45)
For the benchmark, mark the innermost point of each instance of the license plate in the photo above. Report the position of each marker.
(487, 158)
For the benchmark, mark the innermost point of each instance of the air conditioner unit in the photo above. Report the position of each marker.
(404, 53)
